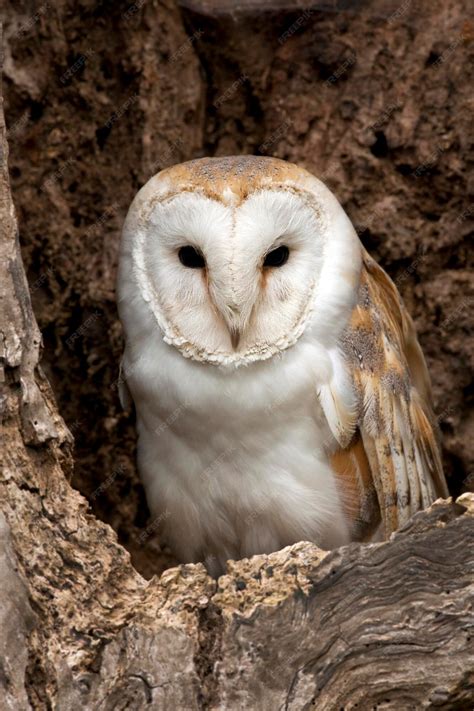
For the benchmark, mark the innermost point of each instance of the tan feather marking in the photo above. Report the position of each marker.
(385, 494)
(354, 477)
(371, 406)
(416, 362)
(405, 426)
(400, 451)
(389, 499)
(394, 408)
(427, 442)
(346, 472)
(241, 174)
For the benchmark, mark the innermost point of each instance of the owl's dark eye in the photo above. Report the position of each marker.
(277, 257)
(190, 257)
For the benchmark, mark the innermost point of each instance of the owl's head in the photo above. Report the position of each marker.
(236, 258)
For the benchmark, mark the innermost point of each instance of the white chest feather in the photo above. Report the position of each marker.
(237, 277)
(233, 461)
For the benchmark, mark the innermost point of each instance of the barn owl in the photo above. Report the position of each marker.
(279, 387)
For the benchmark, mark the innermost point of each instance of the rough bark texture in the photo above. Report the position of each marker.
(98, 97)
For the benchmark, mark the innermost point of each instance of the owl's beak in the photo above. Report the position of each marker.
(236, 314)
(234, 324)
(234, 337)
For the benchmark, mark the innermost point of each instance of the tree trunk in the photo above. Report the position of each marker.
(384, 625)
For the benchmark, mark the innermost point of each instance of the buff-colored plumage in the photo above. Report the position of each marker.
(273, 404)
(393, 460)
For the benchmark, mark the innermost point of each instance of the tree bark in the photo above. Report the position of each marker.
(384, 625)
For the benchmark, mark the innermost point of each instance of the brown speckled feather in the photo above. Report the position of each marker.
(241, 174)
(392, 466)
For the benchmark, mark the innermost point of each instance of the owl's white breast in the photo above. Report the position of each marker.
(233, 461)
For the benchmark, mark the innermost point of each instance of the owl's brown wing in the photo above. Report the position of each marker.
(392, 466)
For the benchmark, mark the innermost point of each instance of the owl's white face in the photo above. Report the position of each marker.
(234, 281)
(231, 275)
